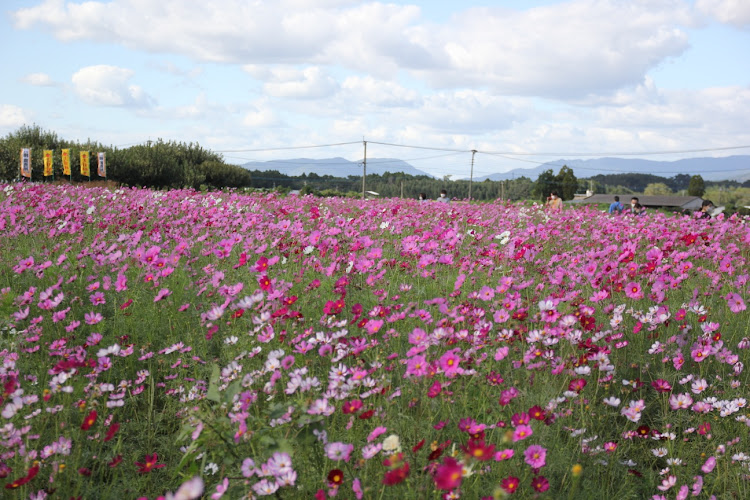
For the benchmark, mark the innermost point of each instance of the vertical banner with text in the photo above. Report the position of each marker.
(85, 164)
(26, 162)
(102, 166)
(47, 162)
(66, 161)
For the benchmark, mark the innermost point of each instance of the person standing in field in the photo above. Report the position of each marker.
(706, 208)
(444, 197)
(554, 203)
(633, 202)
(616, 206)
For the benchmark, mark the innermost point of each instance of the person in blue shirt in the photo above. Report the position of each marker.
(616, 206)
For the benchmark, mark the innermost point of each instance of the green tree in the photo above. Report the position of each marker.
(519, 189)
(696, 187)
(567, 182)
(545, 184)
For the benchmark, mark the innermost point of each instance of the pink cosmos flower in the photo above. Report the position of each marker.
(373, 326)
(449, 362)
(435, 389)
(667, 483)
(709, 465)
(522, 432)
(93, 318)
(633, 290)
(699, 353)
(697, 485)
(417, 366)
(661, 385)
(501, 455)
(375, 433)
(535, 456)
(339, 451)
(683, 492)
(501, 353)
(221, 488)
(357, 489)
(736, 304)
(448, 474)
(510, 484)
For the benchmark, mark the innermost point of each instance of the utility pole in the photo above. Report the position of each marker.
(471, 176)
(502, 190)
(364, 170)
(402, 188)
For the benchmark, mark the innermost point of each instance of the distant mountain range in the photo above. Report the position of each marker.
(337, 167)
(711, 169)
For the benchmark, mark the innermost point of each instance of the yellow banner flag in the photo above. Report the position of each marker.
(26, 162)
(102, 166)
(47, 162)
(85, 164)
(66, 161)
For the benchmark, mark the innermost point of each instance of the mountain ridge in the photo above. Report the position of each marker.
(711, 169)
(337, 167)
(735, 167)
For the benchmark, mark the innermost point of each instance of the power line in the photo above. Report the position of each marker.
(605, 153)
(497, 153)
(322, 163)
(420, 147)
(642, 153)
(286, 148)
(600, 169)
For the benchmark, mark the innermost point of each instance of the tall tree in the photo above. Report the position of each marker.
(545, 184)
(696, 187)
(567, 182)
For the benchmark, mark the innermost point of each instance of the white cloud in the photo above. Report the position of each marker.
(369, 91)
(261, 115)
(734, 12)
(13, 116)
(39, 80)
(105, 85)
(308, 83)
(469, 112)
(570, 49)
(173, 69)
(563, 50)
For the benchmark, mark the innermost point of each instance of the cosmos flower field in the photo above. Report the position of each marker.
(179, 344)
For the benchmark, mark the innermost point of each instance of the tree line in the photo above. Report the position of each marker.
(157, 164)
(169, 164)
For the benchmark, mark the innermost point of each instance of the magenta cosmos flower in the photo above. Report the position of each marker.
(633, 290)
(535, 456)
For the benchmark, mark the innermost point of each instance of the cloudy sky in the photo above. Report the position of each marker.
(592, 77)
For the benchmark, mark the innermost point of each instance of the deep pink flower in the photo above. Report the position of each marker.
(510, 484)
(150, 463)
(540, 484)
(661, 385)
(448, 474)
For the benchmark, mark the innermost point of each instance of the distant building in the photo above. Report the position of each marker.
(661, 201)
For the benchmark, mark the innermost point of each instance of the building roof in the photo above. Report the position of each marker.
(647, 201)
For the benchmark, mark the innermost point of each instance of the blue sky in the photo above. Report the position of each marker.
(582, 76)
